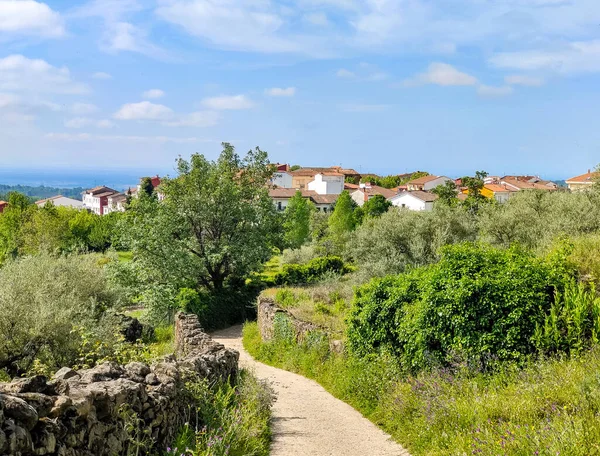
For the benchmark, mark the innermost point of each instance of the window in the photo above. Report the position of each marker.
(279, 206)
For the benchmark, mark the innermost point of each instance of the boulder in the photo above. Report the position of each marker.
(19, 410)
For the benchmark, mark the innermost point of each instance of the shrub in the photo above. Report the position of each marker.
(311, 272)
(478, 303)
(41, 299)
(299, 256)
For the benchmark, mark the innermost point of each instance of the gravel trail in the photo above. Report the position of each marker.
(307, 420)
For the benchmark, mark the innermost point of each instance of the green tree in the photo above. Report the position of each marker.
(296, 222)
(342, 220)
(214, 227)
(376, 206)
(446, 193)
(146, 187)
(475, 200)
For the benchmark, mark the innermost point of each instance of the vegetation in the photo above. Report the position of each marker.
(296, 221)
(231, 420)
(392, 180)
(313, 271)
(40, 192)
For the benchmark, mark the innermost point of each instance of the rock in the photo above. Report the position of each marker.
(103, 372)
(19, 410)
(151, 379)
(61, 404)
(42, 403)
(3, 442)
(131, 328)
(137, 371)
(64, 373)
(36, 384)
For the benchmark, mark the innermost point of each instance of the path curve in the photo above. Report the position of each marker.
(307, 420)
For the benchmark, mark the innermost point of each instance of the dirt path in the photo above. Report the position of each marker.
(307, 420)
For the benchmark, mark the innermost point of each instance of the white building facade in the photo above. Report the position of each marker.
(414, 201)
(327, 184)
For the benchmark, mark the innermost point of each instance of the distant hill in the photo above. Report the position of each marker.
(41, 191)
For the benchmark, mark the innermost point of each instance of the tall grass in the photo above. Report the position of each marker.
(231, 420)
(550, 407)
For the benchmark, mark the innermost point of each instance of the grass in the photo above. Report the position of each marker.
(125, 257)
(550, 407)
(325, 304)
(231, 420)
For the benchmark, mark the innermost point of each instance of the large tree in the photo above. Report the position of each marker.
(296, 223)
(376, 206)
(214, 227)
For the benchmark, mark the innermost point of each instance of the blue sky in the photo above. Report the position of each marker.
(448, 86)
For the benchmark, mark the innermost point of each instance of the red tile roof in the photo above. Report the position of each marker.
(422, 180)
(587, 178)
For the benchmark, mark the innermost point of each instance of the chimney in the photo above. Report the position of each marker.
(589, 171)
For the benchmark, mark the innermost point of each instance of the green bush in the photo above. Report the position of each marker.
(46, 304)
(478, 303)
(311, 272)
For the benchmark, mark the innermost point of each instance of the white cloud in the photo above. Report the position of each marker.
(523, 80)
(573, 58)
(81, 122)
(320, 19)
(143, 111)
(153, 93)
(196, 119)
(363, 107)
(28, 17)
(345, 74)
(83, 108)
(494, 92)
(233, 102)
(230, 24)
(124, 36)
(101, 75)
(441, 74)
(81, 137)
(8, 99)
(280, 92)
(20, 73)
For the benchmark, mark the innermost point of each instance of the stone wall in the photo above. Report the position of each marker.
(267, 313)
(110, 409)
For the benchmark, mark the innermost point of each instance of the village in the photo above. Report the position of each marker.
(322, 186)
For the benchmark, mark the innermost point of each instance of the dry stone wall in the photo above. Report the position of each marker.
(110, 409)
(268, 310)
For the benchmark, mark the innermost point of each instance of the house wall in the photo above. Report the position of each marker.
(280, 203)
(282, 179)
(410, 202)
(358, 196)
(327, 185)
(434, 183)
(92, 203)
(577, 187)
(301, 182)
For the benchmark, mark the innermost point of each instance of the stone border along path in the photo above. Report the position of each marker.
(307, 420)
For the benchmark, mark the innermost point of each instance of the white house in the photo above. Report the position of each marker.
(327, 184)
(61, 201)
(415, 201)
(281, 198)
(282, 179)
(365, 192)
(427, 183)
(115, 203)
(96, 199)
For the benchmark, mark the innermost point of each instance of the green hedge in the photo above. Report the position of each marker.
(478, 304)
(313, 271)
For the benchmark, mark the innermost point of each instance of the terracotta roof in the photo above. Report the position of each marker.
(118, 197)
(108, 193)
(52, 198)
(3, 203)
(377, 190)
(101, 191)
(419, 194)
(286, 193)
(587, 178)
(349, 186)
(422, 180)
(497, 188)
(524, 185)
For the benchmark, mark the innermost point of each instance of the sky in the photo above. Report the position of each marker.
(386, 86)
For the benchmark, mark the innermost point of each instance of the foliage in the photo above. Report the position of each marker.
(392, 180)
(479, 303)
(40, 192)
(547, 408)
(231, 420)
(401, 239)
(146, 187)
(446, 194)
(41, 300)
(296, 222)
(215, 227)
(376, 206)
(535, 218)
(475, 200)
(311, 272)
(299, 256)
(573, 322)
